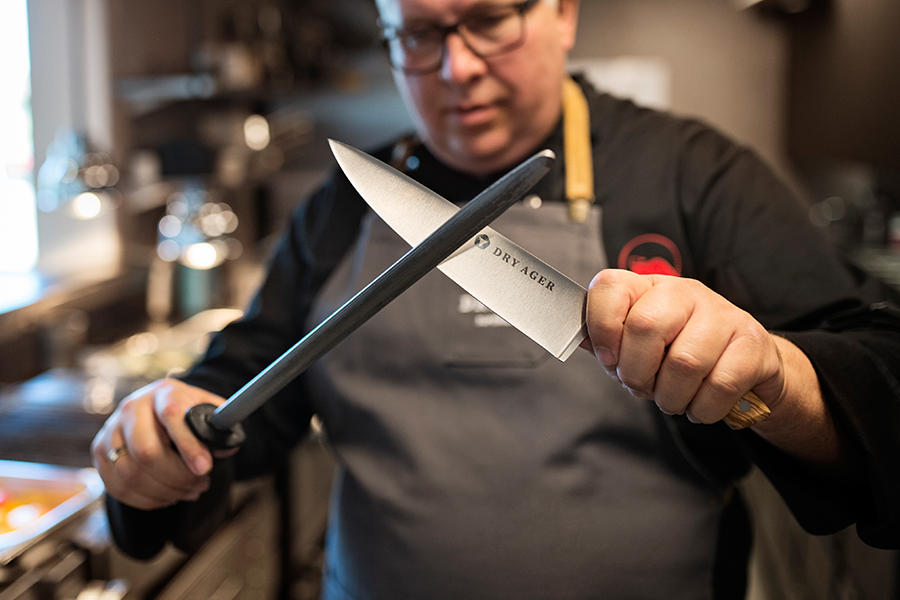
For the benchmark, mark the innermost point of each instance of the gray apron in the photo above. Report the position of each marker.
(475, 465)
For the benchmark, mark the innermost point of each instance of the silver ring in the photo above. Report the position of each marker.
(116, 453)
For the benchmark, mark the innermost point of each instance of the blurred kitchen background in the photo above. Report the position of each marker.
(153, 150)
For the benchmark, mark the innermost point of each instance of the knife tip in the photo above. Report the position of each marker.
(342, 151)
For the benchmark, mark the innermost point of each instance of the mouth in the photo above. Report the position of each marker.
(473, 114)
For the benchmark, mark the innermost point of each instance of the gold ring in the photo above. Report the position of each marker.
(116, 453)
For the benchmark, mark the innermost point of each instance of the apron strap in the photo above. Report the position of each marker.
(577, 146)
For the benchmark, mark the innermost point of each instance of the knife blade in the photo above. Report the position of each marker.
(490, 269)
(219, 427)
(518, 295)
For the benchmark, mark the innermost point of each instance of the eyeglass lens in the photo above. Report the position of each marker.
(488, 32)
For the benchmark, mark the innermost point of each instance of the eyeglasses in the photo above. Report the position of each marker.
(489, 31)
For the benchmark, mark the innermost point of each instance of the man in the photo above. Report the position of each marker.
(472, 466)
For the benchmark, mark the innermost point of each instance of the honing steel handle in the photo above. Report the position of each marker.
(749, 411)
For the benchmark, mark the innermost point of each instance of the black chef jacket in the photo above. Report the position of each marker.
(677, 198)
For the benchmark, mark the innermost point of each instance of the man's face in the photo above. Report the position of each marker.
(482, 115)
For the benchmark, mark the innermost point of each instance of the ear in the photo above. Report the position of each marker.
(568, 22)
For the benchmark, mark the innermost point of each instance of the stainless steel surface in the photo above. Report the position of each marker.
(441, 242)
(82, 487)
(520, 288)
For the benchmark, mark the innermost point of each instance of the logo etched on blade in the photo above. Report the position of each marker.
(483, 241)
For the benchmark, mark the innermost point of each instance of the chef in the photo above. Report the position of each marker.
(472, 465)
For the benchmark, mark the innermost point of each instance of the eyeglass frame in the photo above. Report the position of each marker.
(390, 33)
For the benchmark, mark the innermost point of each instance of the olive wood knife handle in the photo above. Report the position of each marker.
(749, 411)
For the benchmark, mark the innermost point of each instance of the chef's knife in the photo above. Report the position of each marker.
(219, 427)
(523, 290)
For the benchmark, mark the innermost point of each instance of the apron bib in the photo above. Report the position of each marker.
(476, 465)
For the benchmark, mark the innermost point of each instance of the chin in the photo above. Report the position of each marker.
(481, 155)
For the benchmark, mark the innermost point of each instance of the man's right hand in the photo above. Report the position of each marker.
(145, 452)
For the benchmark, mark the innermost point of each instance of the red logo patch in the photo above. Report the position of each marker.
(651, 254)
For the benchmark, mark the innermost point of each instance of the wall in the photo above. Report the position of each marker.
(727, 66)
(732, 68)
(846, 74)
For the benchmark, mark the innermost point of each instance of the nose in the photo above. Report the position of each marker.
(460, 63)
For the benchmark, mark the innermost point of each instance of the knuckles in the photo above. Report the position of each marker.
(172, 411)
(685, 365)
(642, 321)
(639, 388)
(756, 334)
(607, 277)
(723, 385)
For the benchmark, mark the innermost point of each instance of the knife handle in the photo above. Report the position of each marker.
(749, 411)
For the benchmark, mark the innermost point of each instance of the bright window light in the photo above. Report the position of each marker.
(18, 218)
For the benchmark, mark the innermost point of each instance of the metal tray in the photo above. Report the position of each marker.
(75, 491)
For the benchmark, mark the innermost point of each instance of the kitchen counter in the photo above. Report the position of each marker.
(45, 419)
(49, 422)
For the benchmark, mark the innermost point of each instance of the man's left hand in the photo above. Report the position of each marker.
(680, 344)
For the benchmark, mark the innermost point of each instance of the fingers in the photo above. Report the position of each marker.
(611, 295)
(171, 403)
(687, 365)
(678, 343)
(631, 322)
(706, 384)
(162, 463)
(128, 478)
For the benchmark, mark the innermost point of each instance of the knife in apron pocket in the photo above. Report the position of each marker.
(520, 288)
